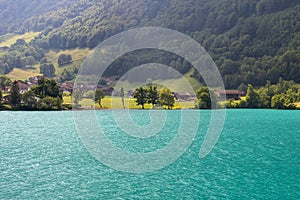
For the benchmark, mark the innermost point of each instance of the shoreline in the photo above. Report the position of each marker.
(108, 109)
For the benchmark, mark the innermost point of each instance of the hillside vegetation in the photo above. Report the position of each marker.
(251, 41)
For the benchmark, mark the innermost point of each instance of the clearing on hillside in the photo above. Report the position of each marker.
(12, 38)
(22, 74)
(77, 54)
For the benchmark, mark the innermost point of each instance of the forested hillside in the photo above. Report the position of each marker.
(251, 41)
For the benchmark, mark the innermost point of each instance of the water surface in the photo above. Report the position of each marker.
(257, 157)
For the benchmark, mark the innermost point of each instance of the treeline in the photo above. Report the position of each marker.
(283, 95)
(143, 95)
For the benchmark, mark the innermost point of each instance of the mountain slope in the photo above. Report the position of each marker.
(251, 40)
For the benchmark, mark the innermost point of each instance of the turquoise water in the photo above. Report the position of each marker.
(257, 157)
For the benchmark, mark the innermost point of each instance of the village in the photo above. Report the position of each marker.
(107, 87)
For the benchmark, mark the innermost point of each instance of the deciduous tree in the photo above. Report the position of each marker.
(141, 96)
(29, 99)
(64, 59)
(4, 81)
(205, 98)
(122, 96)
(252, 98)
(153, 95)
(47, 69)
(77, 96)
(166, 98)
(99, 95)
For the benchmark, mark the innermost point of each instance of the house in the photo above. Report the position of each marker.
(34, 80)
(23, 86)
(69, 83)
(66, 88)
(184, 96)
(230, 94)
(107, 90)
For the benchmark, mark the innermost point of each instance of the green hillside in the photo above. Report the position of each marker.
(251, 41)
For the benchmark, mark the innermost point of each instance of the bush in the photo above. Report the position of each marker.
(50, 103)
(64, 59)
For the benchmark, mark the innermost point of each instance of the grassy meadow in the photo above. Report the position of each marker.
(23, 74)
(116, 103)
(78, 55)
(10, 39)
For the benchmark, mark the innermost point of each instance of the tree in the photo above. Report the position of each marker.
(64, 59)
(4, 69)
(252, 98)
(77, 96)
(99, 95)
(205, 98)
(4, 81)
(229, 67)
(141, 96)
(49, 94)
(153, 96)
(264, 98)
(47, 87)
(278, 101)
(122, 96)
(291, 97)
(15, 96)
(47, 69)
(29, 99)
(243, 87)
(30, 60)
(50, 103)
(166, 98)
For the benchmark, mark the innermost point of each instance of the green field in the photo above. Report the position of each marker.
(116, 103)
(10, 39)
(22, 74)
(78, 55)
(186, 83)
(194, 83)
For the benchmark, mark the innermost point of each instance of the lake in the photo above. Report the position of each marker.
(257, 157)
